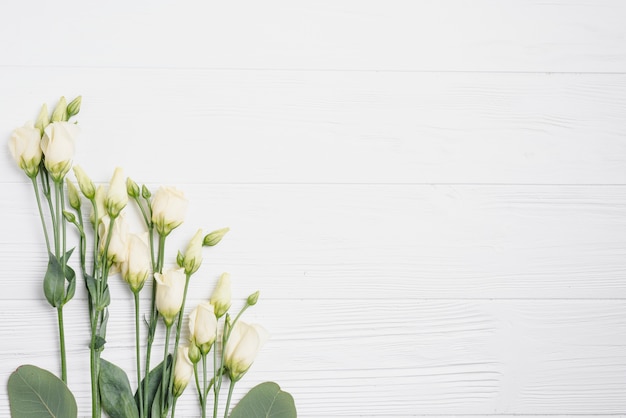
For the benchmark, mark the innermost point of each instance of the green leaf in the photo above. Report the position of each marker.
(154, 382)
(117, 398)
(265, 400)
(54, 282)
(35, 393)
(70, 275)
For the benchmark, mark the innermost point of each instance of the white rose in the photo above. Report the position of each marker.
(118, 243)
(57, 145)
(169, 293)
(168, 209)
(25, 147)
(203, 326)
(221, 296)
(242, 347)
(117, 197)
(138, 264)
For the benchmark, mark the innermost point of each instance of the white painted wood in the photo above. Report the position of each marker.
(400, 242)
(337, 127)
(430, 195)
(444, 357)
(433, 35)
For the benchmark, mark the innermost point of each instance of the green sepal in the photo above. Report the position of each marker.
(90, 283)
(54, 282)
(115, 393)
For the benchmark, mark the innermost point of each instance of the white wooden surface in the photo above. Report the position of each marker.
(430, 195)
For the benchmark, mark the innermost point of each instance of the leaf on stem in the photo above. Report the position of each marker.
(37, 393)
(115, 393)
(54, 282)
(154, 382)
(265, 400)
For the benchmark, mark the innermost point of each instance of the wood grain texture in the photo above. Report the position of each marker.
(430, 194)
(432, 35)
(370, 241)
(336, 127)
(350, 359)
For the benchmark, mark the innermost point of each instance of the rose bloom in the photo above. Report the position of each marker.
(25, 147)
(203, 326)
(57, 145)
(242, 347)
(168, 209)
(169, 293)
(138, 264)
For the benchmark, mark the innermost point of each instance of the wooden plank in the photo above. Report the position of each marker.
(335, 127)
(407, 35)
(362, 241)
(387, 357)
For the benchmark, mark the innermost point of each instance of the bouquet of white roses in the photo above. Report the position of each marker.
(220, 347)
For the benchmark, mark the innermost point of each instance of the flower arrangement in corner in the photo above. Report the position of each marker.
(220, 348)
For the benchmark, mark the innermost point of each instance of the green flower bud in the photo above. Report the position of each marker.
(194, 354)
(85, 183)
(60, 112)
(193, 255)
(253, 299)
(180, 259)
(132, 188)
(74, 107)
(145, 193)
(214, 237)
(72, 194)
(221, 297)
(69, 216)
(43, 119)
(183, 370)
(116, 198)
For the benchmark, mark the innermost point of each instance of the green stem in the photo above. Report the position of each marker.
(174, 406)
(164, 380)
(93, 362)
(138, 353)
(153, 313)
(43, 221)
(226, 335)
(230, 395)
(45, 183)
(179, 327)
(216, 391)
(62, 344)
(200, 397)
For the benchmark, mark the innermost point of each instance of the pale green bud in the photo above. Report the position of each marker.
(183, 370)
(145, 192)
(221, 297)
(74, 107)
(193, 255)
(60, 112)
(117, 197)
(132, 188)
(194, 354)
(72, 194)
(69, 216)
(43, 119)
(180, 259)
(203, 326)
(85, 183)
(253, 299)
(214, 237)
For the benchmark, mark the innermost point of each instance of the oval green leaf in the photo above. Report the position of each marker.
(117, 398)
(264, 401)
(37, 393)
